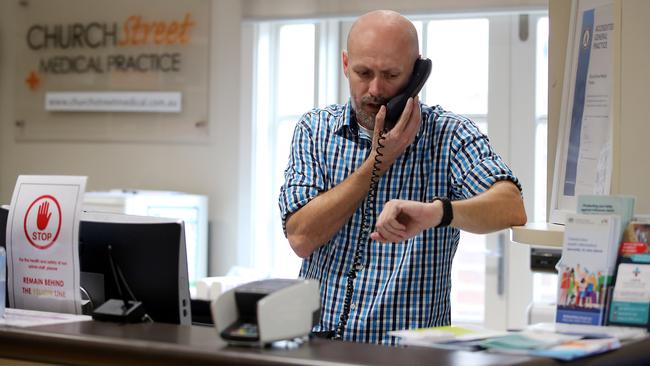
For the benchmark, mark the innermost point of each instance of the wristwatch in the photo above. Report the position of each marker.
(447, 212)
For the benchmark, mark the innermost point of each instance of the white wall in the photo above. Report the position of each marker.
(634, 131)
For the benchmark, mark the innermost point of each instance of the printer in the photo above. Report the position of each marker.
(261, 312)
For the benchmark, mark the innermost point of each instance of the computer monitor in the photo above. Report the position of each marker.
(191, 208)
(151, 254)
(4, 213)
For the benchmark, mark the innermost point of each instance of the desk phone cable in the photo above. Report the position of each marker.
(115, 269)
(363, 237)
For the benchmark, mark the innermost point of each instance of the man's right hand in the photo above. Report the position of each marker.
(402, 219)
(400, 137)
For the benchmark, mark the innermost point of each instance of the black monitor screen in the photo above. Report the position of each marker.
(150, 253)
(4, 213)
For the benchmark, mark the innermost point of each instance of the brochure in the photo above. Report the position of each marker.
(635, 245)
(586, 268)
(622, 206)
(631, 297)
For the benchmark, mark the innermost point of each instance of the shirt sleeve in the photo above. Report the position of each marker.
(303, 177)
(475, 166)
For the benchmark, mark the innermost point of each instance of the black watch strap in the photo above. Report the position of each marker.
(447, 212)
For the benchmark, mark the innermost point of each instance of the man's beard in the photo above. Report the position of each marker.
(364, 118)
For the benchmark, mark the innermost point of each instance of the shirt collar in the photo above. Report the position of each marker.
(346, 121)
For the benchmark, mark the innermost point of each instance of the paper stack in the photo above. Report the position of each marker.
(452, 336)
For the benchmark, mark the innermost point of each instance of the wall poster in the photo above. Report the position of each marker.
(584, 155)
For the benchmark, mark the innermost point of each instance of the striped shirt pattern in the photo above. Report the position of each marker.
(402, 285)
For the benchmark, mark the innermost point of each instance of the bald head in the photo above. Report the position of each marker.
(382, 48)
(383, 29)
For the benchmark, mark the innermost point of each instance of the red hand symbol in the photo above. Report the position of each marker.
(44, 215)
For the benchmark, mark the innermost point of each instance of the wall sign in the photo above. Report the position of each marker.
(112, 71)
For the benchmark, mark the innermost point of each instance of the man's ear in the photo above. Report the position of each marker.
(346, 70)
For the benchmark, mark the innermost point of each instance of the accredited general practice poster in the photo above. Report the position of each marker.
(584, 161)
(43, 243)
(588, 167)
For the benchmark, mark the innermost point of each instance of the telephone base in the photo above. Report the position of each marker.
(115, 310)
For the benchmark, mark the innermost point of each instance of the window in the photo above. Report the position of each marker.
(285, 89)
(297, 67)
(541, 108)
(545, 285)
(460, 84)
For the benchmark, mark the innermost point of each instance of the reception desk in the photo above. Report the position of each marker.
(97, 343)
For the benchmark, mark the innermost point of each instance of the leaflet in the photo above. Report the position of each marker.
(631, 299)
(586, 268)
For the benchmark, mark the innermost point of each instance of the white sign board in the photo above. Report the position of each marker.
(43, 243)
(162, 102)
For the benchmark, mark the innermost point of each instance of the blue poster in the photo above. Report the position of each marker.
(578, 103)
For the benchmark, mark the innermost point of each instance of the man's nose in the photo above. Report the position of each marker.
(377, 87)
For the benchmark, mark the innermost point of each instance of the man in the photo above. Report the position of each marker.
(429, 154)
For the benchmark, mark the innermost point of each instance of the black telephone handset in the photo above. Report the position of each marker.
(395, 106)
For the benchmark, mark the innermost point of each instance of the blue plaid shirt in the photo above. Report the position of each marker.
(405, 285)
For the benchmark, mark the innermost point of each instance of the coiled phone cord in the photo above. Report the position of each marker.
(363, 237)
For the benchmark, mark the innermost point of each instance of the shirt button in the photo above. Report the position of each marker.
(353, 306)
(359, 267)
